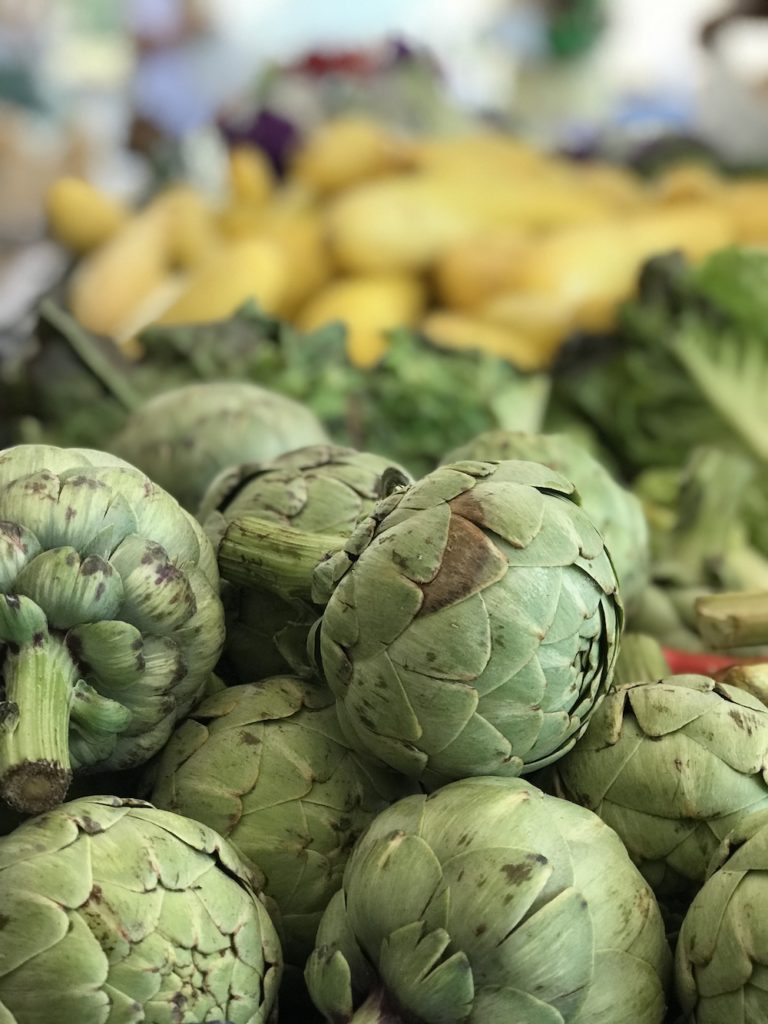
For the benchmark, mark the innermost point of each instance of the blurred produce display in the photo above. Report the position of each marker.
(477, 241)
(446, 466)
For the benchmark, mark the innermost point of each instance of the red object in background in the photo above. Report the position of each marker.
(702, 663)
(365, 63)
(343, 62)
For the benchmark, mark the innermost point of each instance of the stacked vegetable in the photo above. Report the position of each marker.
(436, 640)
(439, 671)
(413, 748)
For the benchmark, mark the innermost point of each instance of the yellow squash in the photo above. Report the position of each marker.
(193, 234)
(251, 178)
(300, 237)
(250, 269)
(404, 222)
(348, 150)
(544, 318)
(592, 268)
(368, 306)
(467, 332)
(462, 155)
(80, 216)
(687, 181)
(747, 204)
(468, 273)
(115, 279)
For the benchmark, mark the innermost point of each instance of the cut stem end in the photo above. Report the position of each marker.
(35, 786)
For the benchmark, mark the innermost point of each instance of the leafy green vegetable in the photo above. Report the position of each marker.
(690, 369)
(681, 405)
(418, 402)
(421, 401)
(690, 365)
(64, 385)
(69, 387)
(735, 281)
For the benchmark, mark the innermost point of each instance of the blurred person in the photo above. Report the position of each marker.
(560, 84)
(733, 99)
(179, 79)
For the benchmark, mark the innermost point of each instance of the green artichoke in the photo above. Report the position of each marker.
(110, 618)
(672, 766)
(267, 767)
(721, 961)
(615, 511)
(183, 438)
(115, 911)
(472, 623)
(321, 489)
(486, 903)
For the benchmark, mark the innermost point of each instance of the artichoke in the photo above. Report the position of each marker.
(721, 960)
(267, 767)
(113, 910)
(672, 766)
(320, 489)
(490, 902)
(615, 511)
(183, 438)
(472, 623)
(110, 618)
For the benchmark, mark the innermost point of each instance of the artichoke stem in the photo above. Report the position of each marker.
(733, 620)
(641, 660)
(259, 553)
(35, 770)
(376, 1009)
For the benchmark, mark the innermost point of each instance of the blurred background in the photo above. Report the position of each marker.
(125, 95)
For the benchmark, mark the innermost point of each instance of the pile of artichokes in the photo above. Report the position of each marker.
(357, 748)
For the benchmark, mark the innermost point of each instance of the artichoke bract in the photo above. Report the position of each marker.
(110, 618)
(113, 910)
(184, 437)
(487, 902)
(320, 489)
(472, 623)
(672, 766)
(721, 960)
(614, 510)
(267, 767)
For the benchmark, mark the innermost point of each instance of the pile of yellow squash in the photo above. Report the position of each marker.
(480, 241)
